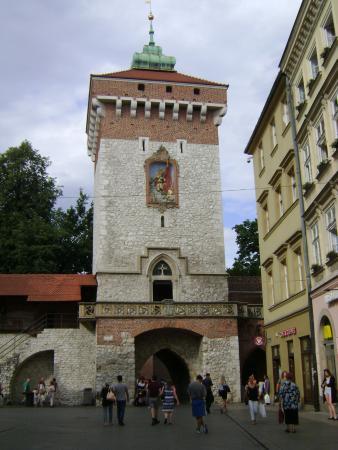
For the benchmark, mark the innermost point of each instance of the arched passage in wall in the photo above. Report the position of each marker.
(327, 350)
(39, 365)
(255, 364)
(169, 354)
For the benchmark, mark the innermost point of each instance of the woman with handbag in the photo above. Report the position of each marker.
(329, 393)
(108, 398)
(251, 390)
(289, 396)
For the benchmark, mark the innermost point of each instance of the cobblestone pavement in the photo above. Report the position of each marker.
(82, 428)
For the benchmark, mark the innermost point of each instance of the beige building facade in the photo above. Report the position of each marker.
(308, 126)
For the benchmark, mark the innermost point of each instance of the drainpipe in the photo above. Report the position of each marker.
(304, 241)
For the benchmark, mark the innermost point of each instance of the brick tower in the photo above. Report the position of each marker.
(162, 299)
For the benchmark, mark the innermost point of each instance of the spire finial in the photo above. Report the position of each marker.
(151, 18)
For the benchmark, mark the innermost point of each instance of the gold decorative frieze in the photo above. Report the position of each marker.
(91, 311)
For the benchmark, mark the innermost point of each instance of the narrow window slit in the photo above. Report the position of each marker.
(162, 221)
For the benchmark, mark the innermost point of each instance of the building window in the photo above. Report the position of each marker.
(329, 31)
(270, 286)
(313, 60)
(261, 156)
(276, 366)
(197, 91)
(334, 106)
(181, 145)
(293, 185)
(162, 282)
(316, 244)
(266, 218)
(284, 280)
(168, 89)
(331, 227)
(291, 359)
(300, 269)
(280, 201)
(273, 134)
(285, 113)
(141, 87)
(307, 163)
(162, 221)
(321, 141)
(143, 144)
(301, 91)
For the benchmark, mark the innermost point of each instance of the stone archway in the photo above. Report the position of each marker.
(177, 351)
(38, 365)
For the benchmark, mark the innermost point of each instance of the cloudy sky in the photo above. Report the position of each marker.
(48, 49)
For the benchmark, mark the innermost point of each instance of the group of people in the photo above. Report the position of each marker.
(154, 392)
(288, 397)
(41, 393)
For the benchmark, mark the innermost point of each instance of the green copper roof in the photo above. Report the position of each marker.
(152, 57)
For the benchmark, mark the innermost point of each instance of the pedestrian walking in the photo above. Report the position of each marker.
(197, 393)
(27, 392)
(169, 396)
(280, 383)
(290, 396)
(122, 397)
(329, 393)
(267, 397)
(41, 396)
(223, 391)
(153, 394)
(251, 390)
(140, 392)
(51, 393)
(210, 396)
(108, 398)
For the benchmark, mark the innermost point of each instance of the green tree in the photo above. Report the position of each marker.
(247, 261)
(75, 237)
(27, 198)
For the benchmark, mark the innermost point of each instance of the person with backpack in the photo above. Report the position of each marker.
(223, 391)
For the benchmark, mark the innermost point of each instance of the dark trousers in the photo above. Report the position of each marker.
(209, 400)
(121, 407)
(108, 413)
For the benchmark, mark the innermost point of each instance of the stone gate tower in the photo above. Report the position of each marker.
(158, 231)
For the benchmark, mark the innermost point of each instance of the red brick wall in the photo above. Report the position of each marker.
(210, 327)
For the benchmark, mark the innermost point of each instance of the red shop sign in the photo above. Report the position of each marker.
(288, 332)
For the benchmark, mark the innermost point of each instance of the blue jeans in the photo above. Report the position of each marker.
(121, 407)
(108, 413)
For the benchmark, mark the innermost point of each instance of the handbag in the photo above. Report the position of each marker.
(280, 415)
(110, 396)
(267, 399)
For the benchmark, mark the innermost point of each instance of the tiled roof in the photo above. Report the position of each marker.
(46, 288)
(158, 75)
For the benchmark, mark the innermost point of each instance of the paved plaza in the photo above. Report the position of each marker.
(81, 428)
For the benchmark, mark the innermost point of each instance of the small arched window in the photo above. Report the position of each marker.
(162, 268)
(162, 282)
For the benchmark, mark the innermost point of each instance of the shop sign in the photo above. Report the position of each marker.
(259, 340)
(288, 332)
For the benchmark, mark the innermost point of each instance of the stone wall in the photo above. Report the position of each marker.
(221, 357)
(74, 360)
(124, 226)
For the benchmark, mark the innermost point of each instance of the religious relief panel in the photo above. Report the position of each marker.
(161, 180)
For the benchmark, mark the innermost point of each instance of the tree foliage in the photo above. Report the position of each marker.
(247, 261)
(35, 236)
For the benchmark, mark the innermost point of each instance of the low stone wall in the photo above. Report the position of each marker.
(74, 361)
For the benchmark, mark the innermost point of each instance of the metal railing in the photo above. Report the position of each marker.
(49, 320)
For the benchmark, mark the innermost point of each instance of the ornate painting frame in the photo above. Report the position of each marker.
(161, 180)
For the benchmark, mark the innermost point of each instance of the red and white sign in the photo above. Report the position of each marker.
(259, 340)
(288, 332)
